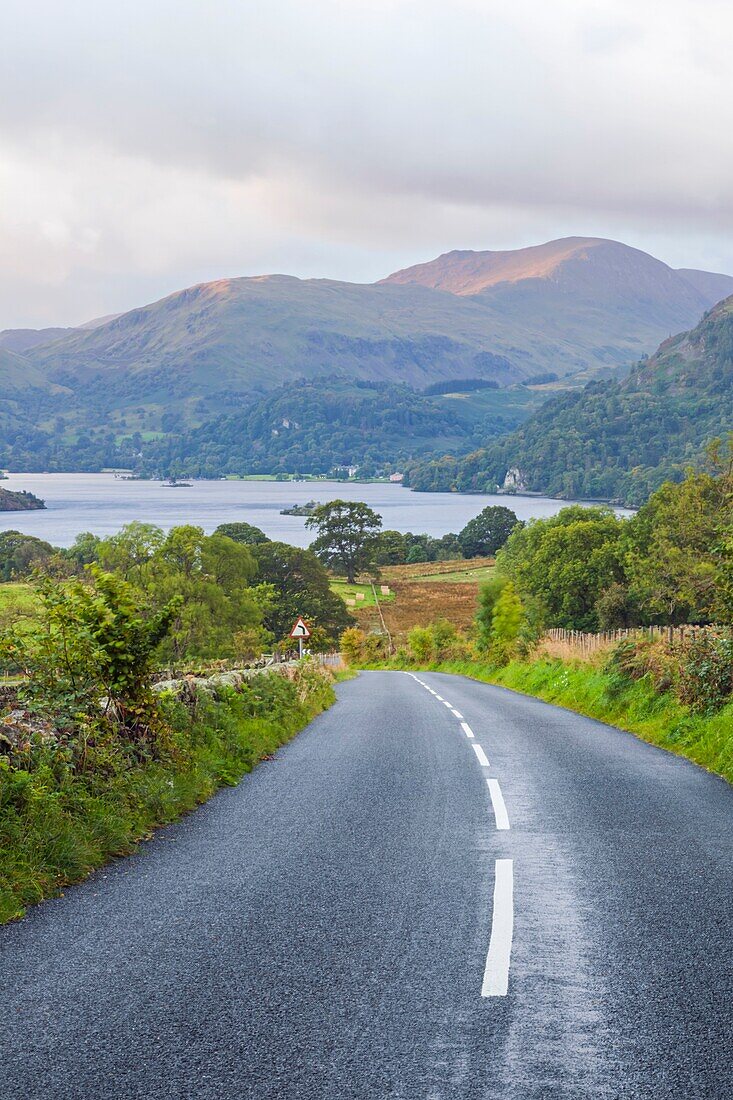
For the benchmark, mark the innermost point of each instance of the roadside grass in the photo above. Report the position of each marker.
(57, 826)
(632, 705)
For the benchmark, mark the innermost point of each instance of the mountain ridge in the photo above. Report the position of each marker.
(615, 439)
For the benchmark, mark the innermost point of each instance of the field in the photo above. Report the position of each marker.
(447, 572)
(362, 594)
(16, 602)
(419, 594)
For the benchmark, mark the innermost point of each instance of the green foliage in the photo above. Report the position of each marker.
(488, 595)
(242, 532)
(20, 554)
(352, 645)
(57, 825)
(670, 561)
(420, 641)
(487, 532)
(506, 623)
(615, 439)
(416, 554)
(395, 548)
(89, 653)
(300, 586)
(705, 681)
(347, 536)
(212, 576)
(83, 551)
(565, 563)
(315, 427)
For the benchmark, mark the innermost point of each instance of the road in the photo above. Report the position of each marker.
(366, 915)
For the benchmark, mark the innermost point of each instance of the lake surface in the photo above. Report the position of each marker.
(102, 504)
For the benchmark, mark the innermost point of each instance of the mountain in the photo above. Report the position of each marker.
(615, 439)
(711, 285)
(607, 300)
(579, 307)
(19, 340)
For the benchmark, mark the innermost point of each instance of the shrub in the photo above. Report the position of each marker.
(705, 681)
(352, 645)
(421, 643)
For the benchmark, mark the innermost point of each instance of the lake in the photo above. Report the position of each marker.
(102, 503)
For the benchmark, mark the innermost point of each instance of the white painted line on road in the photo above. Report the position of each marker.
(496, 972)
(447, 704)
(481, 756)
(456, 712)
(466, 729)
(497, 801)
(439, 697)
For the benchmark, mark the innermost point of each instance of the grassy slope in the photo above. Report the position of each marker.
(56, 829)
(635, 706)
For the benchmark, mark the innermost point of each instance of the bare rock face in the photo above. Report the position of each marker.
(514, 481)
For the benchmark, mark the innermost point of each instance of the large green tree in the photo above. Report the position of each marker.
(243, 532)
(301, 587)
(347, 537)
(487, 532)
(564, 563)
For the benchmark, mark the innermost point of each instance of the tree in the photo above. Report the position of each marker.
(301, 587)
(565, 562)
(672, 560)
(487, 532)
(347, 538)
(416, 554)
(506, 623)
(90, 651)
(391, 548)
(242, 532)
(20, 554)
(488, 595)
(84, 549)
(214, 576)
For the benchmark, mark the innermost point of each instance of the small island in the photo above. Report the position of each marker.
(19, 501)
(301, 509)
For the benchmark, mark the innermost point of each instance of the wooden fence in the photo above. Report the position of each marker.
(590, 643)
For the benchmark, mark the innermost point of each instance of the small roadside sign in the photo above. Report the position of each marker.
(300, 631)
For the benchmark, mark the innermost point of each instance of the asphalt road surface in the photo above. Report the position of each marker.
(392, 908)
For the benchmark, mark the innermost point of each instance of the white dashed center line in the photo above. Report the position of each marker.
(496, 972)
(466, 729)
(481, 756)
(497, 801)
(456, 713)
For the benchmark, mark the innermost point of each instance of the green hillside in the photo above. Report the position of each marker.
(310, 428)
(614, 439)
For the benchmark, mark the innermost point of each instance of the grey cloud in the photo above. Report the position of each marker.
(304, 121)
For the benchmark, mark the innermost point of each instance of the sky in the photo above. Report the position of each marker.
(148, 146)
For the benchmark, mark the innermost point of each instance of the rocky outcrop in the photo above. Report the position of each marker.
(19, 502)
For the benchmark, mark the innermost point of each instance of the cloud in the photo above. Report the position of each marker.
(153, 145)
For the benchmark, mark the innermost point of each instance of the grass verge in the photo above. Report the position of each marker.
(632, 705)
(57, 826)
